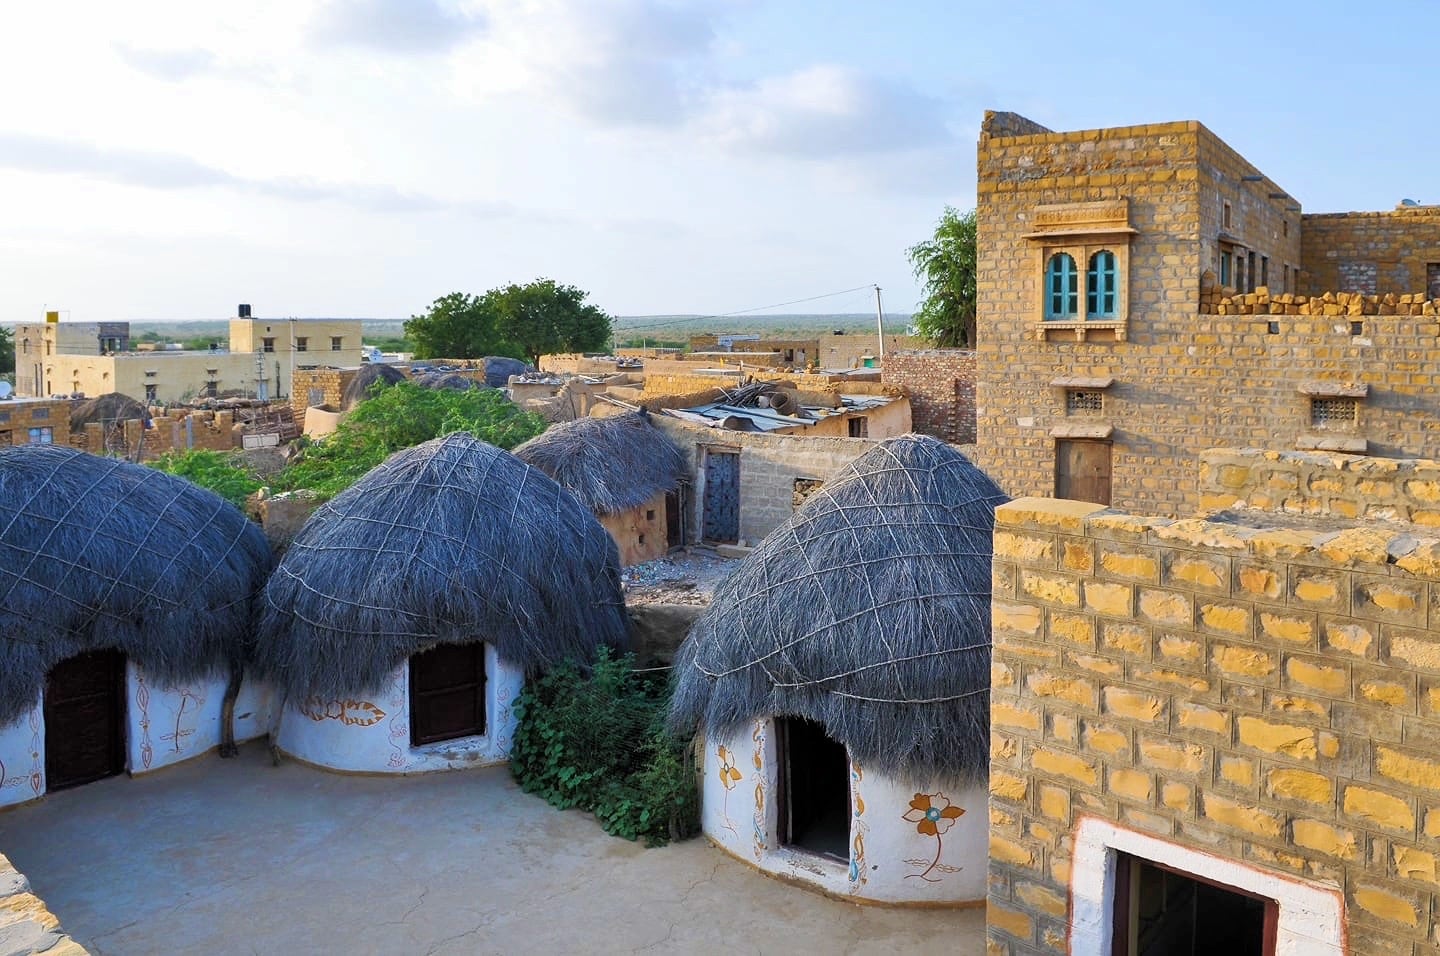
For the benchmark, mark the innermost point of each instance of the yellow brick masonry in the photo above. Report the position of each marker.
(1267, 695)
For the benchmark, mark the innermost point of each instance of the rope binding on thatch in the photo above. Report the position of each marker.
(611, 464)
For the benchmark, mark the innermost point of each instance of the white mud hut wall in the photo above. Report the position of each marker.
(890, 859)
(371, 733)
(163, 725)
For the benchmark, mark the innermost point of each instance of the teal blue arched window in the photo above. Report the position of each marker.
(1062, 287)
(1100, 286)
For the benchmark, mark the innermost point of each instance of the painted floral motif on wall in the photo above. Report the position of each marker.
(932, 814)
(730, 775)
(757, 737)
(351, 713)
(858, 829)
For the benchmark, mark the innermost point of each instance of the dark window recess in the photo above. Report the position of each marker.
(1357, 328)
(1432, 280)
(639, 539)
(447, 693)
(649, 514)
(1272, 328)
(674, 526)
(1162, 912)
(814, 808)
(1084, 402)
(859, 427)
(85, 719)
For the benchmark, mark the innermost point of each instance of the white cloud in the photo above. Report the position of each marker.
(172, 65)
(393, 26)
(823, 112)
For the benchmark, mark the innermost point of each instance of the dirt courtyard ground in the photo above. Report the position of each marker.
(239, 856)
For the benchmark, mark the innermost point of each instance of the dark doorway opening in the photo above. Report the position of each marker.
(447, 693)
(814, 807)
(85, 719)
(1082, 470)
(1164, 912)
(674, 525)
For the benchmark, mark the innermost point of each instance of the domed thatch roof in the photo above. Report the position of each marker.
(499, 368)
(98, 553)
(452, 541)
(359, 388)
(451, 380)
(611, 464)
(868, 611)
(106, 409)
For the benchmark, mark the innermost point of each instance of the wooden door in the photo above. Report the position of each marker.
(447, 693)
(85, 719)
(1082, 470)
(722, 496)
(674, 527)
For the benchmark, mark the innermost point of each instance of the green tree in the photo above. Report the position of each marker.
(7, 351)
(945, 266)
(217, 471)
(525, 321)
(456, 326)
(545, 316)
(400, 416)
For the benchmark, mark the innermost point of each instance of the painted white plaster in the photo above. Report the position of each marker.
(166, 724)
(22, 758)
(1312, 915)
(372, 734)
(890, 859)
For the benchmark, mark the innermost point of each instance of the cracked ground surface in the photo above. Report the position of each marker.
(238, 856)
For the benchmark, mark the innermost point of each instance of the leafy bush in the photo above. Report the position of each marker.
(221, 472)
(401, 416)
(597, 741)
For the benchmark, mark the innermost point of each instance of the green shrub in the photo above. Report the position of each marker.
(221, 472)
(597, 741)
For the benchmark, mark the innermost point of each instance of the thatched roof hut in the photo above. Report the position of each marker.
(106, 409)
(499, 368)
(453, 541)
(359, 387)
(611, 464)
(868, 612)
(453, 381)
(98, 553)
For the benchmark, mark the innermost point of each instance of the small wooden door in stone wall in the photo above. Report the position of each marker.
(1082, 470)
(722, 496)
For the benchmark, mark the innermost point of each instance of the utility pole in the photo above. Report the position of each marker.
(880, 322)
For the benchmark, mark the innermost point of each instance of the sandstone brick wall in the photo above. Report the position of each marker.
(1343, 486)
(941, 385)
(18, 417)
(27, 925)
(327, 384)
(769, 467)
(1271, 697)
(210, 431)
(1371, 252)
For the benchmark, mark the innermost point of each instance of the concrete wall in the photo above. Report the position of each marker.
(372, 734)
(890, 860)
(769, 466)
(941, 386)
(1268, 698)
(1371, 252)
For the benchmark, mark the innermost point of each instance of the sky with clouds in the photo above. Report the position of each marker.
(362, 157)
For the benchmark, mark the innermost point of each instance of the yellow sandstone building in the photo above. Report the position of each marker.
(65, 358)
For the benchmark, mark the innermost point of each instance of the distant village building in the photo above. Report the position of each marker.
(125, 609)
(404, 617)
(839, 682)
(34, 421)
(57, 358)
(1145, 293)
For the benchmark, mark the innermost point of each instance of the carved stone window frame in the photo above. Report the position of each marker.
(1081, 230)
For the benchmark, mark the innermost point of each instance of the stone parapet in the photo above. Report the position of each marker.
(1269, 696)
(26, 925)
(1302, 483)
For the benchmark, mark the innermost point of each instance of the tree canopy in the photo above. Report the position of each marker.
(525, 321)
(399, 416)
(945, 265)
(7, 351)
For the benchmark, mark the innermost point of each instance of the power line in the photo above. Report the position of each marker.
(726, 315)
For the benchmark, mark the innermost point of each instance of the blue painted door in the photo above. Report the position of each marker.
(722, 496)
